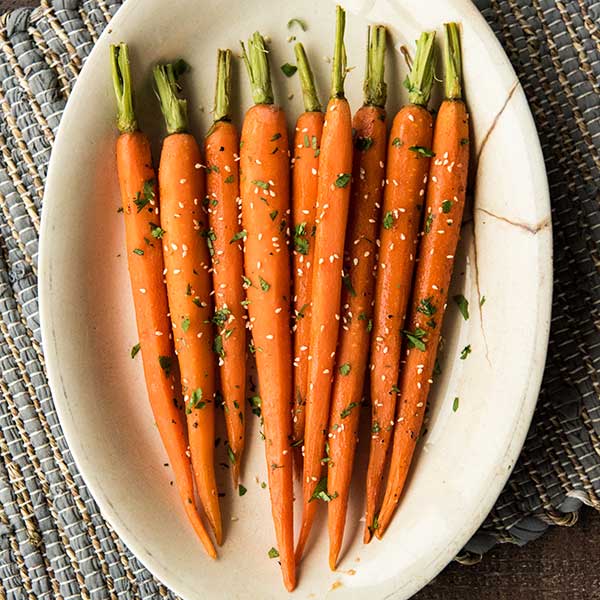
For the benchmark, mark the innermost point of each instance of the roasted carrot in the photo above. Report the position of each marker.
(137, 181)
(222, 194)
(185, 233)
(305, 165)
(264, 185)
(409, 147)
(443, 214)
(333, 196)
(370, 147)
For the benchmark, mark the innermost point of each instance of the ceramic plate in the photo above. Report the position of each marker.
(88, 322)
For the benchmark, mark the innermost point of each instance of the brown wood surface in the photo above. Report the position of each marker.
(563, 565)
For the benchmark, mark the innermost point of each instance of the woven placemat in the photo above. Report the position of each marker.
(53, 541)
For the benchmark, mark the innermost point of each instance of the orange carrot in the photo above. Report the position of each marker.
(264, 185)
(222, 187)
(335, 173)
(357, 298)
(407, 168)
(187, 263)
(140, 208)
(305, 164)
(444, 208)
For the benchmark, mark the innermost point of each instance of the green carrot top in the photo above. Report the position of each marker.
(338, 74)
(420, 79)
(174, 109)
(257, 65)
(307, 82)
(375, 88)
(223, 87)
(453, 62)
(121, 76)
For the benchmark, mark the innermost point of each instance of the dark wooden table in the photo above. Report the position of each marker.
(563, 565)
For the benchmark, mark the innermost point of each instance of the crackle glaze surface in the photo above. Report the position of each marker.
(88, 324)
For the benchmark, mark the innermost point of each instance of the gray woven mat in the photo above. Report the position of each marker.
(53, 541)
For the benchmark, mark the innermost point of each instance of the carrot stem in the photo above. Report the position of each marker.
(420, 79)
(338, 74)
(375, 88)
(121, 76)
(257, 65)
(223, 87)
(174, 109)
(453, 62)
(307, 81)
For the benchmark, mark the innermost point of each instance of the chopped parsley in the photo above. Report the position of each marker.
(428, 223)
(147, 195)
(157, 231)
(463, 305)
(218, 346)
(306, 141)
(195, 401)
(188, 289)
(240, 235)
(221, 316)
(388, 220)
(320, 492)
(345, 369)
(273, 552)
(397, 142)
(301, 243)
(273, 214)
(347, 281)
(446, 206)
(185, 323)
(275, 137)
(255, 403)
(464, 141)
(231, 455)
(363, 143)
(426, 307)
(376, 428)
(247, 281)
(165, 362)
(261, 184)
(482, 301)
(300, 313)
(422, 151)
(415, 338)
(455, 404)
(134, 350)
(348, 410)
(343, 180)
(229, 179)
(241, 490)
(138, 251)
(465, 352)
(264, 285)
(288, 70)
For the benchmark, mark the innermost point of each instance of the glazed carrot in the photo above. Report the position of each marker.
(305, 165)
(222, 192)
(370, 132)
(406, 176)
(264, 185)
(140, 207)
(443, 215)
(184, 236)
(333, 196)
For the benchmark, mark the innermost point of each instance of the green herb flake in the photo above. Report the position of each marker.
(275, 137)
(273, 551)
(345, 369)
(446, 206)
(240, 235)
(197, 302)
(397, 143)
(428, 223)
(455, 404)
(463, 305)
(320, 492)
(347, 281)
(231, 455)
(195, 401)
(348, 410)
(241, 490)
(120, 209)
(264, 285)
(298, 22)
(306, 141)
(415, 338)
(157, 231)
(482, 301)
(300, 314)
(464, 141)
(263, 485)
(255, 403)
(426, 306)
(147, 195)
(465, 352)
(185, 323)
(363, 143)
(375, 525)
(221, 316)
(288, 70)
(134, 350)
(229, 179)
(261, 184)
(301, 243)
(247, 281)
(388, 220)
(376, 427)
(188, 289)
(165, 362)
(138, 251)
(218, 346)
(422, 151)
(343, 180)
(273, 214)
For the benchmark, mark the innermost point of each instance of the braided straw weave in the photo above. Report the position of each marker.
(54, 544)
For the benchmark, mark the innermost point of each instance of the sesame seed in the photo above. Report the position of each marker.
(402, 237)
(419, 404)
(314, 171)
(158, 333)
(419, 384)
(176, 271)
(228, 168)
(258, 162)
(411, 118)
(182, 181)
(174, 246)
(434, 179)
(142, 290)
(269, 336)
(197, 166)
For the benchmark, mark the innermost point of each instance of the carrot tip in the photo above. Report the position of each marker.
(333, 558)
(367, 537)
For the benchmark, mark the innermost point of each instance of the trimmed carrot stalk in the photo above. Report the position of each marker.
(357, 298)
(407, 171)
(144, 253)
(264, 185)
(333, 198)
(443, 215)
(185, 231)
(222, 193)
(305, 165)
